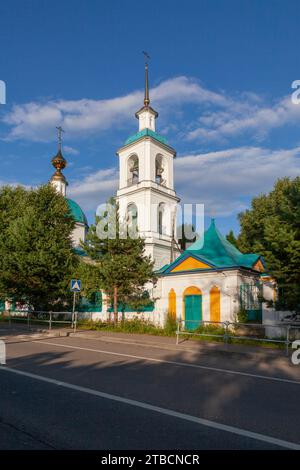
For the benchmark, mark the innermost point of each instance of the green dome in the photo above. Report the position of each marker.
(77, 212)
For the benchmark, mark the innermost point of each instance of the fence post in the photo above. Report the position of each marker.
(75, 321)
(287, 341)
(177, 333)
(226, 324)
(50, 321)
(28, 320)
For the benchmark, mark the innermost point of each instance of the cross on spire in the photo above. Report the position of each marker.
(59, 136)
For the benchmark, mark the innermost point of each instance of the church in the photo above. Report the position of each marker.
(211, 280)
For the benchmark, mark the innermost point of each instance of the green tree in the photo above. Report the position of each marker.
(123, 268)
(88, 272)
(36, 256)
(232, 239)
(272, 228)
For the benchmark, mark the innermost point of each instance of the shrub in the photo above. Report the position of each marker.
(170, 326)
(242, 316)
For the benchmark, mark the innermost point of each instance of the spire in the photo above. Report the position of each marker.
(146, 98)
(58, 179)
(146, 115)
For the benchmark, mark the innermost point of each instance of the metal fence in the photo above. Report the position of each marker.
(226, 331)
(34, 317)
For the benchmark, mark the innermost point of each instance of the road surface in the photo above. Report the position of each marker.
(78, 393)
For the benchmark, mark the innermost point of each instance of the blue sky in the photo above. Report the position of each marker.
(220, 74)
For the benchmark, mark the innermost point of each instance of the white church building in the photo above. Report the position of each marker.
(211, 280)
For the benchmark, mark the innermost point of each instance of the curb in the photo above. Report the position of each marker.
(11, 339)
(206, 348)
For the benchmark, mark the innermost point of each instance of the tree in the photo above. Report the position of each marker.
(231, 238)
(123, 268)
(36, 255)
(272, 228)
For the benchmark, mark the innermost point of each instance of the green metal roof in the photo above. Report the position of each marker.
(216, 251)
(146, 132)
(77, 212)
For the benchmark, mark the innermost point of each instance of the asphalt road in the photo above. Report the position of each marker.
(74, 393)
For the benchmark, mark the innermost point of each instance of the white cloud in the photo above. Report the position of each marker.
(35, 121)
(70, 150)
(220, 116)
(224, 180)
(95, 188)
(251, 118)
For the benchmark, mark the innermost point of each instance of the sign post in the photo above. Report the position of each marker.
(75, 287)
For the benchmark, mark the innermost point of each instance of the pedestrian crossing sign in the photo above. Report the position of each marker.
(75, 285)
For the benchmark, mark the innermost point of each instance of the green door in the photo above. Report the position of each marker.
(193, 311)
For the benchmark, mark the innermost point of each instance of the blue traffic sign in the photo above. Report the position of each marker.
(75, 285)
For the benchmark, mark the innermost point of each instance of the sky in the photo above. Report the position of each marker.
(220, 77)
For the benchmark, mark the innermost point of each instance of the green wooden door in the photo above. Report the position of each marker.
(193, 311)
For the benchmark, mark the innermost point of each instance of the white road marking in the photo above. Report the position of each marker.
(176, 363)
(158, 409)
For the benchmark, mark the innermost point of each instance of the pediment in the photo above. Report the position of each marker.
(189, 264)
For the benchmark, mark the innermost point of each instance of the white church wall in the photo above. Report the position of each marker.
(225, 281)
(60, 186)
(78, 234)
(147, 202)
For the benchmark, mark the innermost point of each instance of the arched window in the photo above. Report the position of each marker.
(132, 220)
(159, 170)
(161, 217)
(133, 170)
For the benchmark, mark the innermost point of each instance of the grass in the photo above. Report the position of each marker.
(126, 326)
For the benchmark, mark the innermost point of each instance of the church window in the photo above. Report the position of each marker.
(133, 170)
(159, 170)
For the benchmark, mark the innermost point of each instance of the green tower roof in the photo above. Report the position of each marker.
(146, 132)
(216, 251)
(77, 212)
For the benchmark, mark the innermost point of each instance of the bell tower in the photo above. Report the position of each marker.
(146, 192)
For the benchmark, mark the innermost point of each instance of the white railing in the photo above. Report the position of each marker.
(33, 317)
(232, 330)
